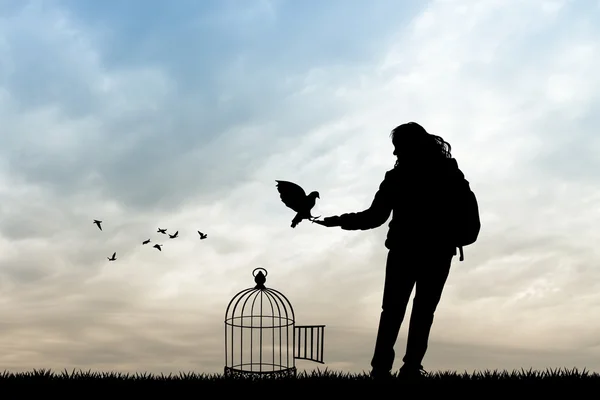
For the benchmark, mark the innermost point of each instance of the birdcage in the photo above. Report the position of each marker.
(261, 336)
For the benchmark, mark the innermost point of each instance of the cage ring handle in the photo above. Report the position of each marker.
(266, 273)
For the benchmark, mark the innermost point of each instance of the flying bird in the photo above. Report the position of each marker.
(294, 197)
(98, 223)
(114, 257)
(158, 246)
(202, 235)
(162, 231)
(174, 235)
(146, 241)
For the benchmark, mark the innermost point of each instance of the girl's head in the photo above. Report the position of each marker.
(412, 141)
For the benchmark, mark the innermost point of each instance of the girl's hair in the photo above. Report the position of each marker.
(419, 143)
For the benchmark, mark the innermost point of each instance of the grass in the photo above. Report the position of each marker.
(339, 381)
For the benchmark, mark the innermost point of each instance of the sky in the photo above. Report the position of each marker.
(148, 114)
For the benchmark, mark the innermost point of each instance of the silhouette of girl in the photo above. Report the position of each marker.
(419, 250)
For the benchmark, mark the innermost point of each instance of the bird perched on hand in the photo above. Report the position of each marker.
(295, 198)
(202, 235)
(113, 258)
(158, 246)
(98, 223)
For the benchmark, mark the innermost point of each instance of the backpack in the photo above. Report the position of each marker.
(464, 212)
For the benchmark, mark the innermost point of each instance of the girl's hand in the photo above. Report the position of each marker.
(328, 221)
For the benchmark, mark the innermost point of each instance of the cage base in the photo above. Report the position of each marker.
(231, 372)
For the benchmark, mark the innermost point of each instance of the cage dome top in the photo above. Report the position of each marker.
(260, 278)
(259, 301)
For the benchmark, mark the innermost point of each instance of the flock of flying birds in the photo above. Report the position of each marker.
(156, 246)
(291, 194)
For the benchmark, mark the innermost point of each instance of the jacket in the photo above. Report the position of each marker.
(415, 196)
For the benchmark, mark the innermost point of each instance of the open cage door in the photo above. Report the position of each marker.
(308, 342)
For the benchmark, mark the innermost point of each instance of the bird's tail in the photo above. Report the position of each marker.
(297, 219)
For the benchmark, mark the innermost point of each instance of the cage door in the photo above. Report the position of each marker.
(308, 342)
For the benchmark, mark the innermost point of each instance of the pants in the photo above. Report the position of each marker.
(427, 270)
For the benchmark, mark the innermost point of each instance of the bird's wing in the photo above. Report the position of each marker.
(114, 254)
(292, 195)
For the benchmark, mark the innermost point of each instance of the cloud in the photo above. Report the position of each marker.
(148, 136)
